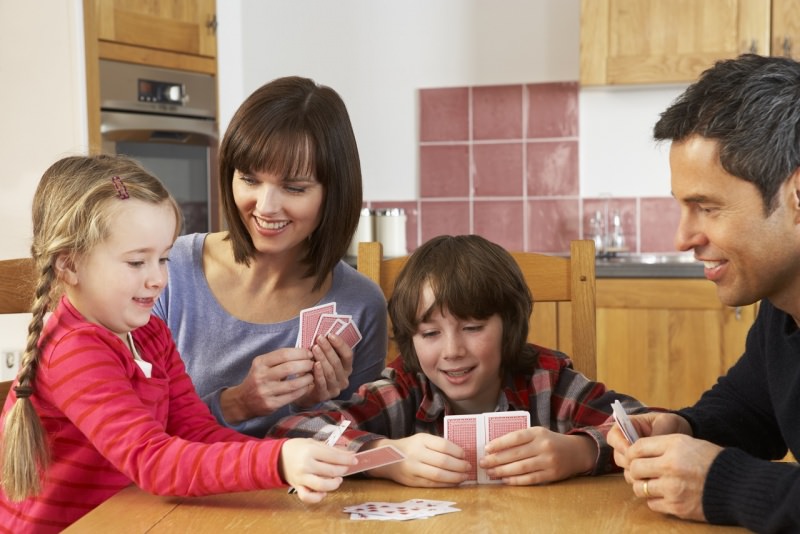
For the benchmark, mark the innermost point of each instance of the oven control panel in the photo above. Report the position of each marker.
(161, 92)
(136, 88)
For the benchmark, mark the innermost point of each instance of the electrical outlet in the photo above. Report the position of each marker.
(9, 363)
(10, 358)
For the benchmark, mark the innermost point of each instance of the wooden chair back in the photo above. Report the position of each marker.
(17, 286)
(563, 291)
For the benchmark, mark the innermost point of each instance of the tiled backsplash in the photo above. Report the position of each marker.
(502, 162)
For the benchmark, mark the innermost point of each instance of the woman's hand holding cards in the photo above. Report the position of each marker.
(431, 462)
(274, 380)
(333, 364)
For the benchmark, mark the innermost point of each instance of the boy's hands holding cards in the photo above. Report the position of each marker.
(537, 455)
(501, 447)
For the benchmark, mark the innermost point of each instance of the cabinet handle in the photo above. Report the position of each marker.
(737, 313)
(753, 47)
(787, 47)
(212, 24)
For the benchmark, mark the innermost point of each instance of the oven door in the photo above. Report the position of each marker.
(180, 151)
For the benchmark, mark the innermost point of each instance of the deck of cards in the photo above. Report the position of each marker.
(399, 511)
(323, 320)
(624, 422)
(473, 432)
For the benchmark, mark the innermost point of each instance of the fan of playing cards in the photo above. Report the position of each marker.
(323, 320)
(400, 511)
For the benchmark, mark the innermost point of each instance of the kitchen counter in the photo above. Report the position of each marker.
(629, 265)
(649, 265)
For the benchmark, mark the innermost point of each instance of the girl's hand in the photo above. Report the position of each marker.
(333, 364)
(430, 462)
(274, 380)
(313, 468)
(537, 455)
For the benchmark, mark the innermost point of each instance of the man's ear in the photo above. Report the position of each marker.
(794, 187)
(65, 268)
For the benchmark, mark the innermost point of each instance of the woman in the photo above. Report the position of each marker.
(290, 182)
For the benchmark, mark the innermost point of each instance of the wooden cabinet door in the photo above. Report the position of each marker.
(184, 26)
(663, 41)
(665, 341)
(786, 28)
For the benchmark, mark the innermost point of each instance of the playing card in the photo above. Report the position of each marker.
(473, 432)
(326, 322)
(624, 422)
(375, 458)
(464, 431)
(350, 334)
(308, 323)
(337, 432)
(499, 424)
(341, 321)
(411, 509)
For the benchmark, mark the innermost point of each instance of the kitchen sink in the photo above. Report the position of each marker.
(649, 265)
(647, 258)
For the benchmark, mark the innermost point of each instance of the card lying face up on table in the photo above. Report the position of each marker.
(473, 432)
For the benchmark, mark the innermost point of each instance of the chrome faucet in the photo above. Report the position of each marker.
(608, 239)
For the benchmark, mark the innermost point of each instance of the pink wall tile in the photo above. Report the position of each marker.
(523, 151)
(552, 224)
(659, 220)
(501, 221)
(497, 169)
(627, 210)
(552, 168)
(443, 217)
(444, 171)
(444, 114)
(497, 112)
(552, 110)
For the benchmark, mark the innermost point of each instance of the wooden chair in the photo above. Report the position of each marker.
(563, 291)
(17, 286)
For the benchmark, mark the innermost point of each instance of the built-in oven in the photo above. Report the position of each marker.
(166, 120)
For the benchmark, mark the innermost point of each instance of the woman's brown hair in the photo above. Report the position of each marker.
(288, 127)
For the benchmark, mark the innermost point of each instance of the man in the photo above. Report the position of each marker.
(735, 166)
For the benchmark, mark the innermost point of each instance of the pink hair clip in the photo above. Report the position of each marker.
(122, 191)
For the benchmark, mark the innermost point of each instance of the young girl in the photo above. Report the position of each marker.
(290, 183)
(460, 311)
(102, 399)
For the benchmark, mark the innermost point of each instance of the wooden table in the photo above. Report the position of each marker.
(584, 505)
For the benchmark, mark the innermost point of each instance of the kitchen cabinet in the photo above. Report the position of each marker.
(666, 41)
(786, 28)
(665, 341)
(179, 34)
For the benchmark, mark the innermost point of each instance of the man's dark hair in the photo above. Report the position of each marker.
(751, 106)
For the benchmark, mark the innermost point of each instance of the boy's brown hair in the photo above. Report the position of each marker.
(471, 278)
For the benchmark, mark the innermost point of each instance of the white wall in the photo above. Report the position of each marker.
(378, 53)
(43, 97)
